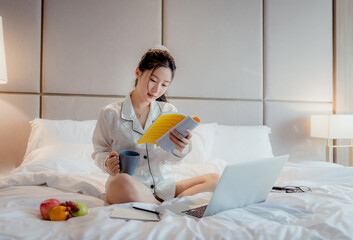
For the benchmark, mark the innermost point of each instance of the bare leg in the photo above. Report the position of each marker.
(124, 188)
(192, 186)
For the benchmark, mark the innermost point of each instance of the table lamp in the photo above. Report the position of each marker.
(3, 72)
(331, 127)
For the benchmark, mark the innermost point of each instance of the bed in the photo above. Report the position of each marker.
(57, 164)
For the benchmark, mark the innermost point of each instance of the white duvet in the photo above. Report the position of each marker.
(324, 213)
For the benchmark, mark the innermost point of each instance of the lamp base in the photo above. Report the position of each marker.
(329, 154)
(330, 148)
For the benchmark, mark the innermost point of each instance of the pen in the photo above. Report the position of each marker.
(146, 210)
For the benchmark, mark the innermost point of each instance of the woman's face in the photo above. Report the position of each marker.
(152, 86)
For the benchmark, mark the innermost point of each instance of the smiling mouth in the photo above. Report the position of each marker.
(150, 95)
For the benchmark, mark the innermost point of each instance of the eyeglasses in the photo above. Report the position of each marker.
(292, 189)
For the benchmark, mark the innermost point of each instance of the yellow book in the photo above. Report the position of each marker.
(158, 132)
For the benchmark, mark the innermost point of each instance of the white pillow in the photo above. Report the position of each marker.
(48, 132)
(202, 143)
(242, 143)
(60, 158)
(65, 145)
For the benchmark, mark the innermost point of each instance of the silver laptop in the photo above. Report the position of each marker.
(240, 185)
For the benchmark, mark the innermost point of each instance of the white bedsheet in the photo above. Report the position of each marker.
(324, 213)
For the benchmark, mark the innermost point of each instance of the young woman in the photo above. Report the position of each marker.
(121, 124)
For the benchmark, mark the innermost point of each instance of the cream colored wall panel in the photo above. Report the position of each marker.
(94, 47)
(74, 108)
(222, 111)
(290, 124)
(344, 57)
(16, 112)
(298, 50)
(22, 36)
(217, 46)
(344, 66)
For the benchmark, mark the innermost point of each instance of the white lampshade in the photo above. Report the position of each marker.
(332, 126)
(3, 72)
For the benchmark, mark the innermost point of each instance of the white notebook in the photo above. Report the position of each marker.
(131, 213)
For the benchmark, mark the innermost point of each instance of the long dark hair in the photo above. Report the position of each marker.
(155, 58)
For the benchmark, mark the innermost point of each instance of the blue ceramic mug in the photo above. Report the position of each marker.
(128, 161)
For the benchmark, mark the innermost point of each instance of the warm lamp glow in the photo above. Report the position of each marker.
(3, 72)
(333, 127)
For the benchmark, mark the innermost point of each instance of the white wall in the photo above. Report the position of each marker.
(239, 62)
(297, 73)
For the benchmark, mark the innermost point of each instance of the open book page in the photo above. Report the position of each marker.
(158, 133)
(187, 123)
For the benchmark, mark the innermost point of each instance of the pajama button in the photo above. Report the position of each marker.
(145, 157)
(152, 186)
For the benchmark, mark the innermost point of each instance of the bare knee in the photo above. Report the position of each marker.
(121, 189)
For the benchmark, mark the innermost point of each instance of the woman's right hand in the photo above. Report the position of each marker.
(112, 162)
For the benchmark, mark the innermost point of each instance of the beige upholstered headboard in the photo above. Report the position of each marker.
(239, 62)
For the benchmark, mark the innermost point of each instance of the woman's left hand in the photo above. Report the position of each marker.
(179, 141)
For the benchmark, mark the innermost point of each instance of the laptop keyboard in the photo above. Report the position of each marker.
(196, 212)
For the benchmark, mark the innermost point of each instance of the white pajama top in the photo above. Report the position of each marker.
(119, 129)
